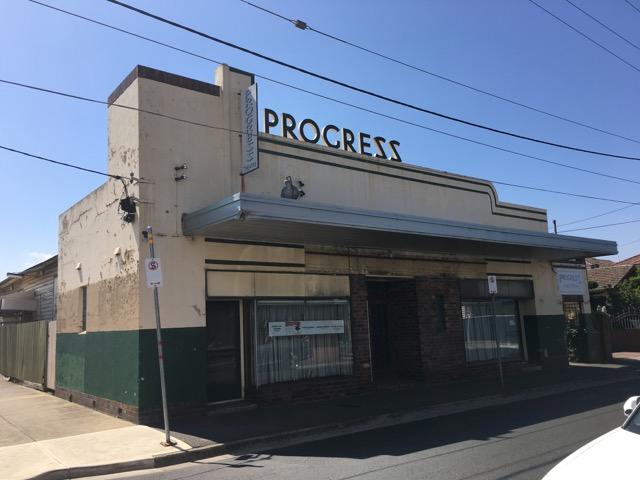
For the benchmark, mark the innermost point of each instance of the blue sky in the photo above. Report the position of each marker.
(508, 47)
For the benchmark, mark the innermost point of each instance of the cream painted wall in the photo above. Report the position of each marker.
(150, 147)
(92, 230)
(435, 194)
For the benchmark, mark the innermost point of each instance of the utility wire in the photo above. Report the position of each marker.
(584, 35)
(632, 6)
(325, 97)
(600, 226)
(306, 91)
(78, 97)
(598, 215)
(304, 26)
(363, 90)
(603, 25)
(64, 164)
(118, 177)
(629, 243)
(183, 120)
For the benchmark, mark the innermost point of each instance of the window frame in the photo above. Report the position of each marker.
(256, 301)
(522, 354)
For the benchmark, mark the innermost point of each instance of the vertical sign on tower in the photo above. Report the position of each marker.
(249, 112)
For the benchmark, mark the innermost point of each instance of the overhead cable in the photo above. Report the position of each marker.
(584, 35)
(609, 212)
(64, 164)
(303, 25)
(360, 89)
(603, 25)
(214, 127)
(632, 6)
(600, 226)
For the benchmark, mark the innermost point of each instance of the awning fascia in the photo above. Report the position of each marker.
(250, 217)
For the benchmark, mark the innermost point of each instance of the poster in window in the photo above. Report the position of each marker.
(308, 327)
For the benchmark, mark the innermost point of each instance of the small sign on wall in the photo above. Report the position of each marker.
(492, 281)
(309, 327)
(154, 272)
(571, 281)
(249, 114)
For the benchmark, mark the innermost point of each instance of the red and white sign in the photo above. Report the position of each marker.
(154, 272)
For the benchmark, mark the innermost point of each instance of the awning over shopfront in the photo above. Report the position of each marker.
(254, 217)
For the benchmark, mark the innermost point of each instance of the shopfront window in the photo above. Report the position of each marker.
(296, 340)
(480, 331)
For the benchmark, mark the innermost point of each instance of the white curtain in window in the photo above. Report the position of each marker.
(296, 357)
(480, 331)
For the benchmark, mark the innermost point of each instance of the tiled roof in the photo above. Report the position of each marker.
(595, 262)
(609, 276)
(635, 260)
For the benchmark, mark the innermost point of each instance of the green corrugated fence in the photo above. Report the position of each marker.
(23, 350)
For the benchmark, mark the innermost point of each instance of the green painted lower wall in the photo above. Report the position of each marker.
(123, 365)
(546, 337)
(185, 355)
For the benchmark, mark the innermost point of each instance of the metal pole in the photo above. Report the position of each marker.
(495, 324)
(165, 414)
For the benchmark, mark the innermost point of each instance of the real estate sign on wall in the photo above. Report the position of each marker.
(308, 327)
(571, 281)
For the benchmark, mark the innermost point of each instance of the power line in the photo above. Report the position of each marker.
(127, 107)
(600, 226)
(603, 25)
(363, 90)
(278, 82)
(118, 177)
(178, 119)
(325, 97)
(91, 100)
(584, 35)
(311, 93)
(64, 164)
(304, 26)
(631, 242)
(590, 197)
(632, 6)
(598, 215)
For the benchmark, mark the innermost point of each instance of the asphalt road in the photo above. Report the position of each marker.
(519, 441)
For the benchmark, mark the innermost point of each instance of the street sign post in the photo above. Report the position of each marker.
(154, 280)
(493, 290)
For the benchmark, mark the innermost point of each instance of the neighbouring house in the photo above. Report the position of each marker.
(605, 278)
(28, 324)
(297, 263)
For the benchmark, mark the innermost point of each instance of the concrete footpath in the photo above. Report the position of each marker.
(41, 434)
(49, 438)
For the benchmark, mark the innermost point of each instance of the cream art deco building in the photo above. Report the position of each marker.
(328, 268)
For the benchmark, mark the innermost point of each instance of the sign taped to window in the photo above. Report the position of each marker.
(308, 327)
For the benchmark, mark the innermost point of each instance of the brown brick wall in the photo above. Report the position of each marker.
(304, 390)
(442, 349)
(360, 329)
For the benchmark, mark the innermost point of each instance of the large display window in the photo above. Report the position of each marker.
(300, 339)
(480, 330)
